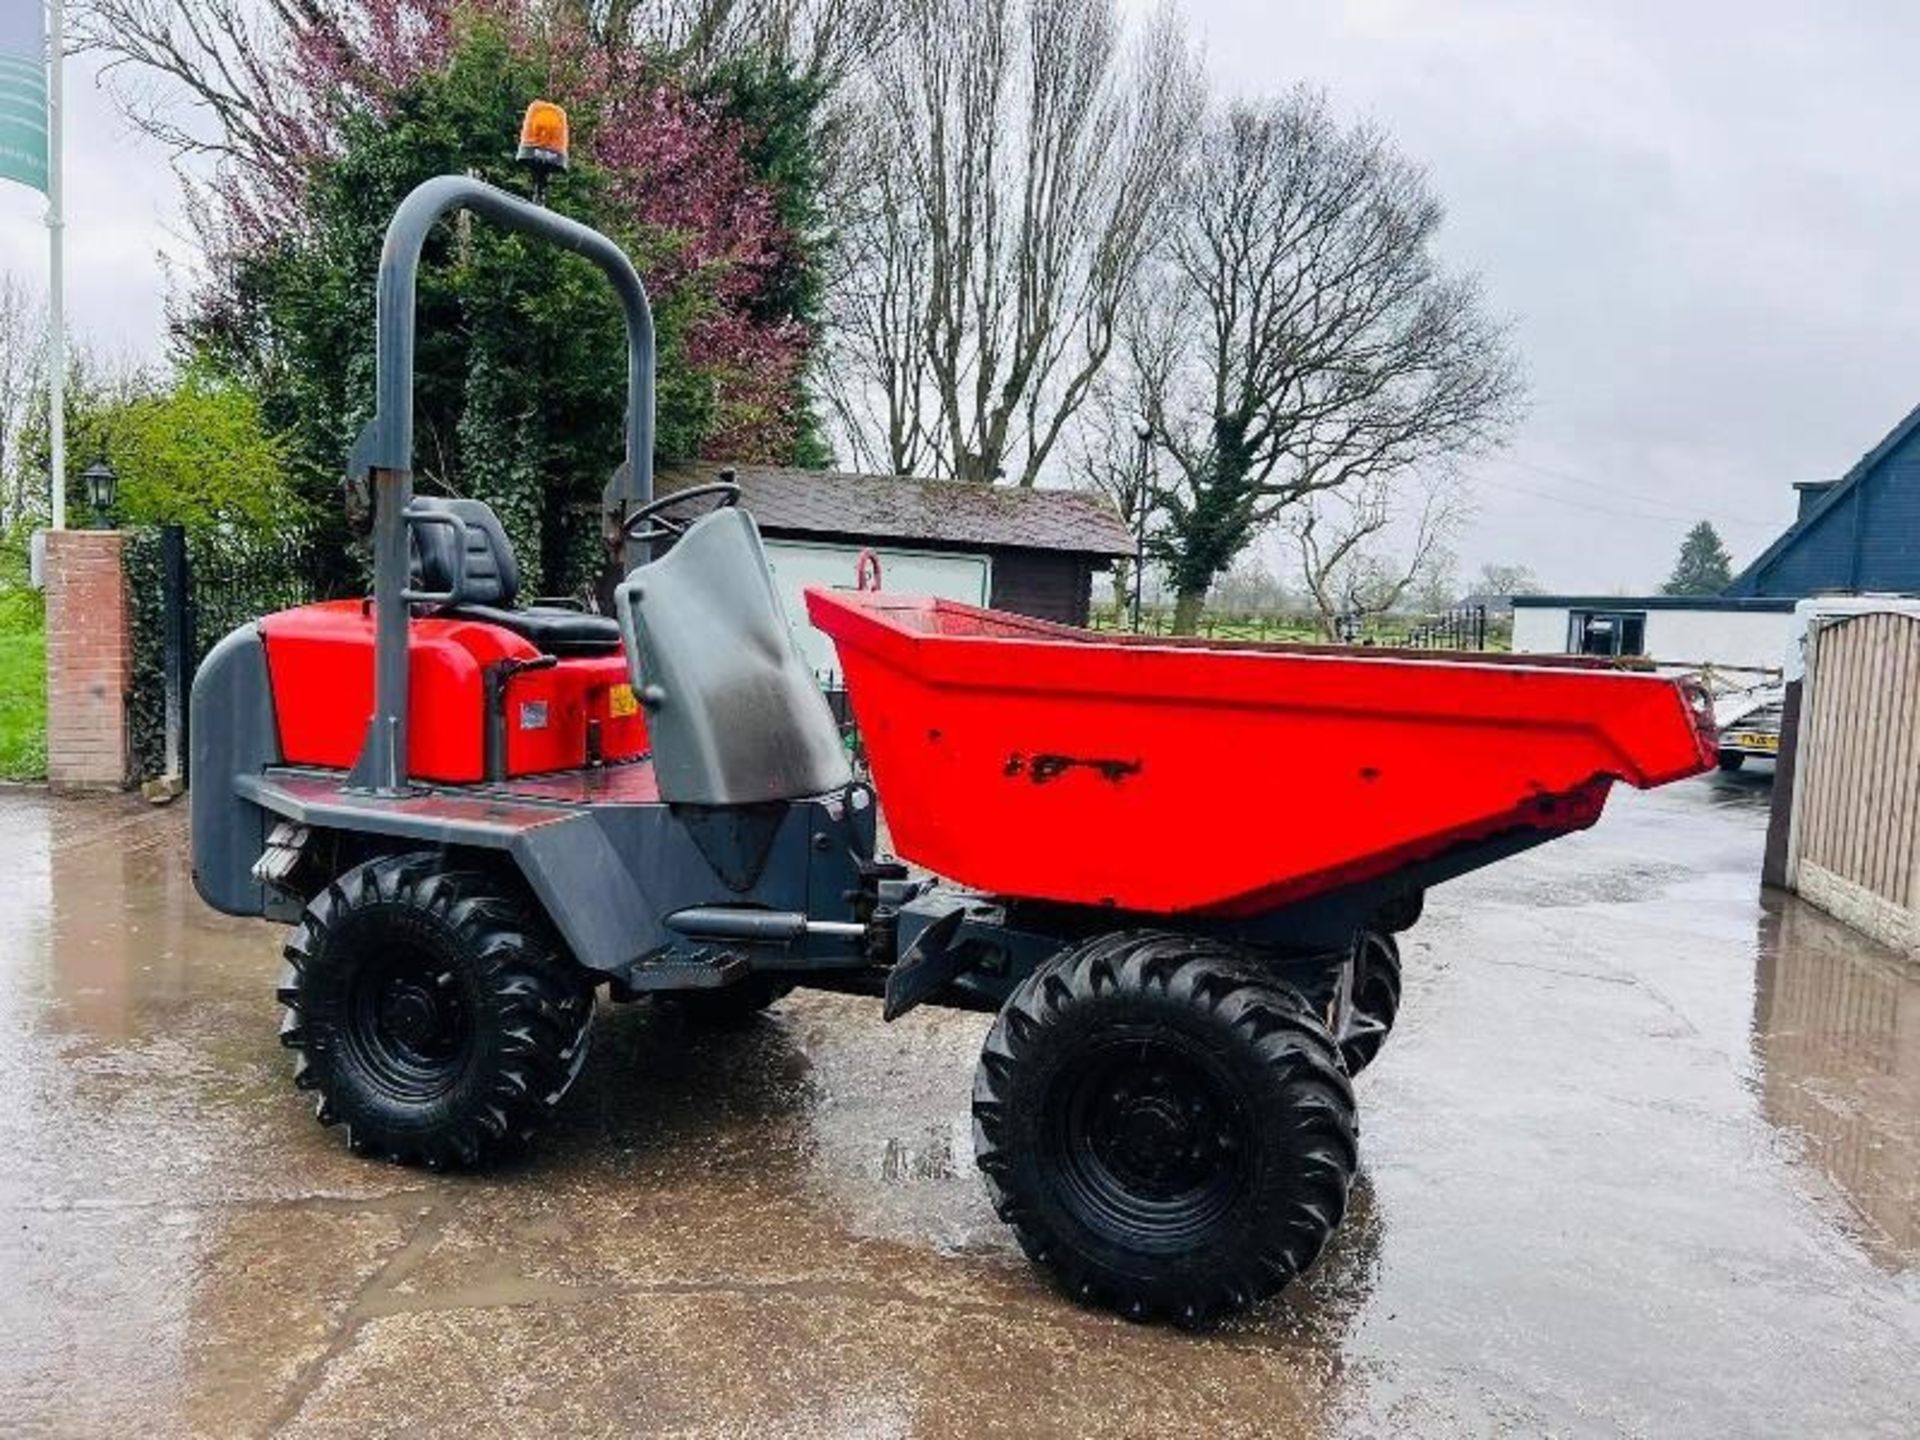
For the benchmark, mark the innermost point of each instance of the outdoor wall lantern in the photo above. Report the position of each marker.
(103, 484)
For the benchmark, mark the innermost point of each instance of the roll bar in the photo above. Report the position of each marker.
(383, 455)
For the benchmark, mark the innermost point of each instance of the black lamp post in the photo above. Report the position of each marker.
(103, 484)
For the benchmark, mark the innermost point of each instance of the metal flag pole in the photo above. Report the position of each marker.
(56, 277)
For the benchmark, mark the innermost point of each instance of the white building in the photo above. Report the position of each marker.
(1689, 631)
(1853, 536)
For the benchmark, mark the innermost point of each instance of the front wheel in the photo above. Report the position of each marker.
(1167, 1128)
(432, 1010)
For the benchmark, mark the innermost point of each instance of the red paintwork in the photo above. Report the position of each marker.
(1241, 776)
(320, 662)
(630, 784)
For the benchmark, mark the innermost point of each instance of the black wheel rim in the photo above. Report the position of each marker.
(1149, 1142)
(409, 1025)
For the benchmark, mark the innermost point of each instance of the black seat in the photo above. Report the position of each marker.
(485, 588)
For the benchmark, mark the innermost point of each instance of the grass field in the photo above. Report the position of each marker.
(23, 694)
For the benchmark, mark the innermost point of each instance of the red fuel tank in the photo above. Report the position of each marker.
(320, 661)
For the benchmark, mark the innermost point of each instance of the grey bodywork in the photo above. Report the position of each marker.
(609, 875)
(234, 737)
(734, 714)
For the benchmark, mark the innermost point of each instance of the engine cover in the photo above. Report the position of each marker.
(475, 710)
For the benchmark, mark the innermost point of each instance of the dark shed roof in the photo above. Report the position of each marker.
(832, 503)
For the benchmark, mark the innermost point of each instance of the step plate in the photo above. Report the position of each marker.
(695, 970)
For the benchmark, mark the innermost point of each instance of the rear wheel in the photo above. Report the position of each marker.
(1731, 760)
(1376, 998)
(1167, 1129)
(432, 1010)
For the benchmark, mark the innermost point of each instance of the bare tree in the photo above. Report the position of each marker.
(874, 368)
(23, 365)
(205, 78)
(1325, 351)
(1110, 444)
(1112, 455)
(1436, 589)
(1351, 568)
(821, 40)
(1249, 588)
(1508, 580)
(1031, 151)
(225, 87)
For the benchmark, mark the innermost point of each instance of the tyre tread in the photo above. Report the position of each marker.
(1273, 1020)
(543, 1004)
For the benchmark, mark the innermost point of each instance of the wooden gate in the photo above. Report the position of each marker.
(1854, 843)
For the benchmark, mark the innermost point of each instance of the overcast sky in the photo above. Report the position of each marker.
(1700, 214)
(122, 205)
(1702, 218)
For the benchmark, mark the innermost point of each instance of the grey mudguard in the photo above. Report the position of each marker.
(234, 733)
(734, 714)
(607, 874)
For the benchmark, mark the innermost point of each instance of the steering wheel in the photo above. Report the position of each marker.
(651, 522)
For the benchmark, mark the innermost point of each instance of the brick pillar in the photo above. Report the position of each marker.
(89, 661)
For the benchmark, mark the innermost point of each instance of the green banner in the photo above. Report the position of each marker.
(23, 92)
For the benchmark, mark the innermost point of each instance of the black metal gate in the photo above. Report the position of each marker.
(186, 590)
(1462, 628)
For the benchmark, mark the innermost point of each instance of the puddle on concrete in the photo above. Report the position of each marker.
(1837, 1033)
(1642, 1159)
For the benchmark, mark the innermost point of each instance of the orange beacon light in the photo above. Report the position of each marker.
(543, 143)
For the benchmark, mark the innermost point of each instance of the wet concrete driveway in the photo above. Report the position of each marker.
(1643, 1159)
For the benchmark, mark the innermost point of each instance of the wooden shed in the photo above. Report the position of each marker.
(1032, 551)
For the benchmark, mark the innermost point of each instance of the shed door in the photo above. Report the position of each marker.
(796, 564)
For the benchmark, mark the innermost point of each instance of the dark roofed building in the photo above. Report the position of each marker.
(1031, 551)
(1858, 533)
(1808, 494)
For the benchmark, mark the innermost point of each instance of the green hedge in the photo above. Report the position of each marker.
(234, 579)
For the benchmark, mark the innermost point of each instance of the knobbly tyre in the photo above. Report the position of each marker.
(1174, 871)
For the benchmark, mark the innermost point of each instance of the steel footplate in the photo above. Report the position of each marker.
(284, 845)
